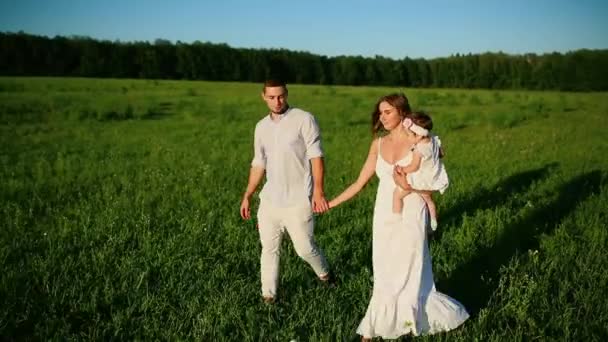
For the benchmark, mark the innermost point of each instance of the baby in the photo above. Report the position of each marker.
(426, 171)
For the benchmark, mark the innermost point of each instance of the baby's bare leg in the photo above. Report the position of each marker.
(398, 195)
(432, 209)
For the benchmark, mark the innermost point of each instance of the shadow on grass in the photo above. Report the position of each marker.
(466, 285)
(486, 199)
(161, 111)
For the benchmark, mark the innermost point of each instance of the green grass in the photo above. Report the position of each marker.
(119, 213)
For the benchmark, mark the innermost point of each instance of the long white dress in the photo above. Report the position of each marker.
(404, 299)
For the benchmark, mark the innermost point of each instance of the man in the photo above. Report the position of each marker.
(287, 148)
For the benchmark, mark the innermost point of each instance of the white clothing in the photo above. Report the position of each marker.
(284, 148)
(299, 223)
(404, 298)
(431, 175)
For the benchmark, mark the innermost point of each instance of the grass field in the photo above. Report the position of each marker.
(119, 213)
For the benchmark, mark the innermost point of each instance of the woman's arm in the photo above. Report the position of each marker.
(367, 171)
(400, 179)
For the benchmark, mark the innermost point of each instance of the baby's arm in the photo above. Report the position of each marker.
(414, 165)
(400, 179)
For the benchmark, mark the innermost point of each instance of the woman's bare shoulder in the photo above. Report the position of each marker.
(374, 145)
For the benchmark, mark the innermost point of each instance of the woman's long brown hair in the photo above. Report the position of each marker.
(397, 100)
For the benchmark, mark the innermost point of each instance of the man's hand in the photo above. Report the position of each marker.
(256, 173)
(319, 202)
(245, 210)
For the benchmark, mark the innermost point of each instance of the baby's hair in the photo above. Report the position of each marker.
(421, 119)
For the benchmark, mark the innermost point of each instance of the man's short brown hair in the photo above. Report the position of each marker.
(274, 83)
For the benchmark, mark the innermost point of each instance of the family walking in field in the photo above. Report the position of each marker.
(406, 158)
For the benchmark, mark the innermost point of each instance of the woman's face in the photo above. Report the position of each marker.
(389, 116)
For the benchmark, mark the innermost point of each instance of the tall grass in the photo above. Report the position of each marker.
(120, 213)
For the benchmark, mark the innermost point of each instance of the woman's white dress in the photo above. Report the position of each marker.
(404, 299)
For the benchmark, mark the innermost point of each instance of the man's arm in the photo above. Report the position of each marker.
(256, 174)
(319, 202)
(312, 139)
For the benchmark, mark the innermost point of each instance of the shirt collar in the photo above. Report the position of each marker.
(280, 116)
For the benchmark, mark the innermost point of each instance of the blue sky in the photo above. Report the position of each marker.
(391, 28)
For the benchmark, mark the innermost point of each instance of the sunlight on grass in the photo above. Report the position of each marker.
(120, 213)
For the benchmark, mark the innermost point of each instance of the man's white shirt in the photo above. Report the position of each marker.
(284, 148)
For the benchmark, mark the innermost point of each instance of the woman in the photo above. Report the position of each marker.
(404, 299)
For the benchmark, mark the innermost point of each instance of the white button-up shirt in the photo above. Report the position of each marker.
(284, 148)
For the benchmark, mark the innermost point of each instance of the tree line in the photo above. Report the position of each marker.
(24, 54)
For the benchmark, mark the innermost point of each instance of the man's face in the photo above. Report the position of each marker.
(276, 99)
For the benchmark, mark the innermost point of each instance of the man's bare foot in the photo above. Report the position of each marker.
(268, 300)
(328, 279)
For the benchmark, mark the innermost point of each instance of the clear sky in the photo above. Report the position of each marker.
(391, 28)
